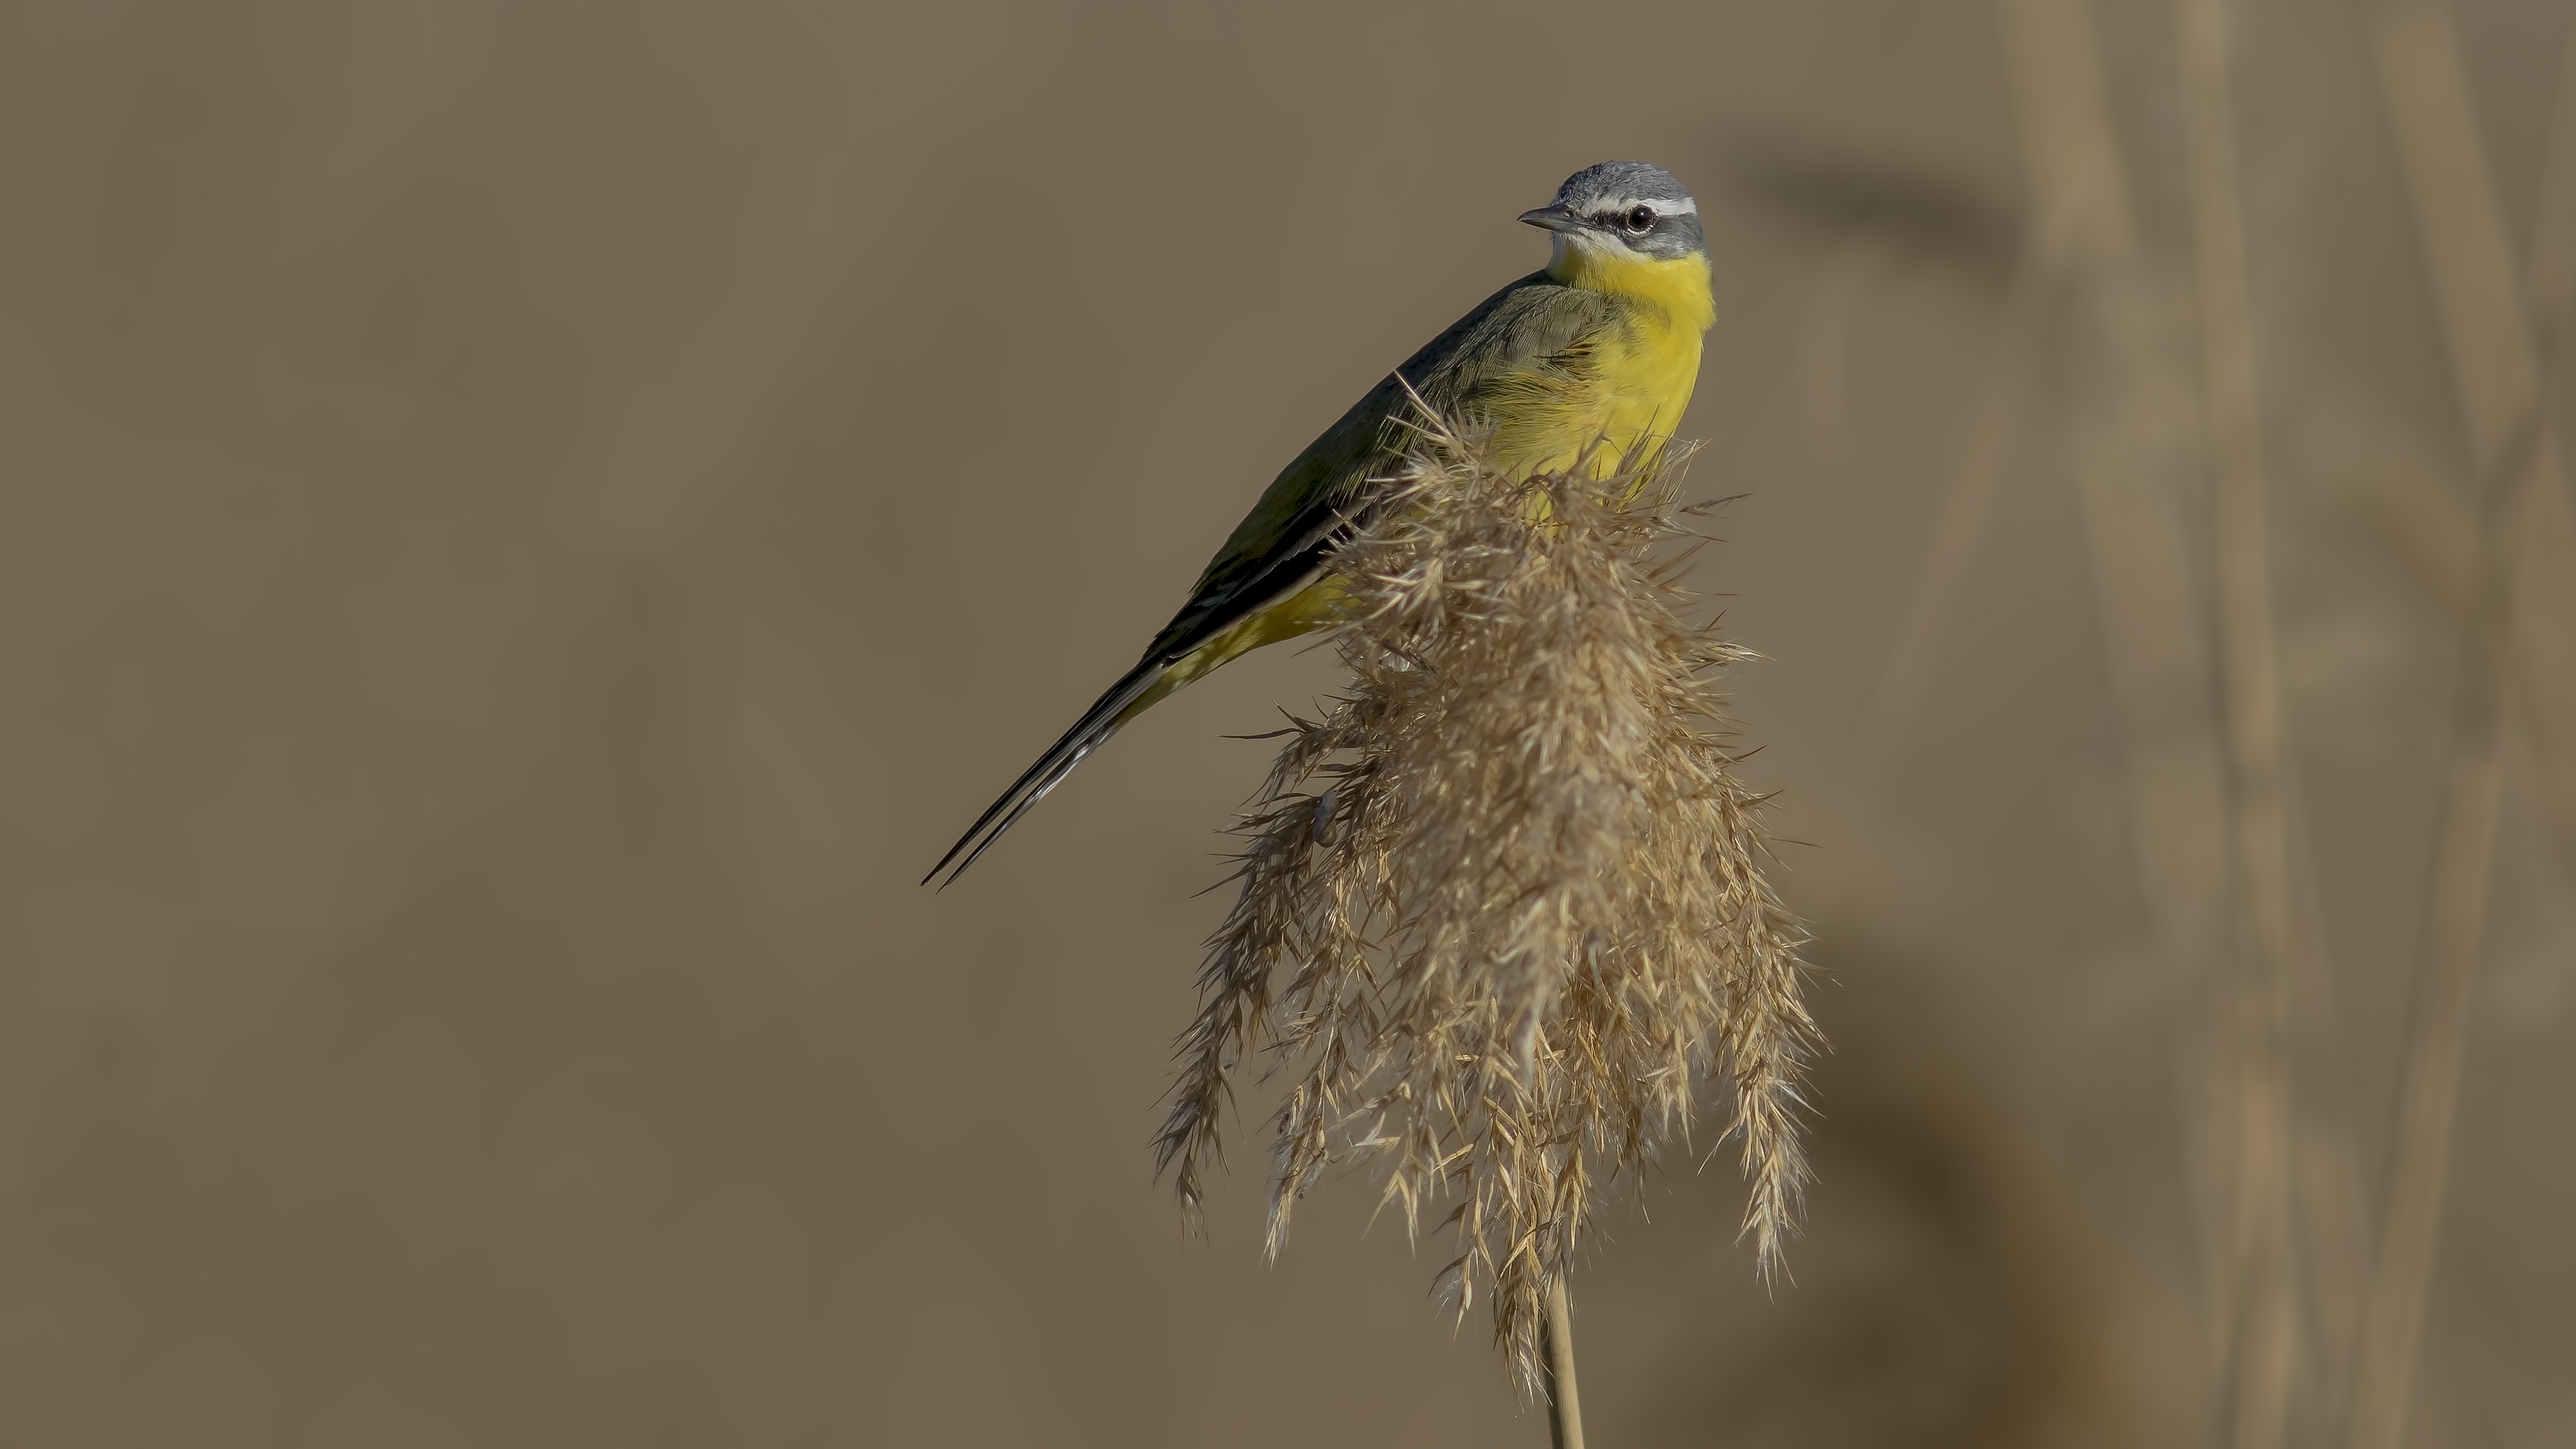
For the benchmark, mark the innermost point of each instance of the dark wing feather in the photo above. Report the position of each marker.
(1097, 724)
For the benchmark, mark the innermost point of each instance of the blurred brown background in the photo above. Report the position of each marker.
(528, 526)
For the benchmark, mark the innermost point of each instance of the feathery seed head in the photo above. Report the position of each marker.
(1501, 907)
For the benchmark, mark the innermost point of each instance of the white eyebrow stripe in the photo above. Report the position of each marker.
(1663, 207)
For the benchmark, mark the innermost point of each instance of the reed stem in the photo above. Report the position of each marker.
(2264, 1330)
(1556, 1358)
(2497, 370)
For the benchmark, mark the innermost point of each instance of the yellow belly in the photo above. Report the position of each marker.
(1638, 394)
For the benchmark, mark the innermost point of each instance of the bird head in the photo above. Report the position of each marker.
(1622, 208)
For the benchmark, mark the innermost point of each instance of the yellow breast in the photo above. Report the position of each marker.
(1641, 372)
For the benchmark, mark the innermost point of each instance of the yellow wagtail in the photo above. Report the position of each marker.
(1587, 356)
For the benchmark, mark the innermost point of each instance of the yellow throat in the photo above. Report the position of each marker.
(1643, 371)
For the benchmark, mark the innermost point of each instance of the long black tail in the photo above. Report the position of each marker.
(1097, 724)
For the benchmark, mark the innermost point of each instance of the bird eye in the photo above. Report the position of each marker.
(1641, 218)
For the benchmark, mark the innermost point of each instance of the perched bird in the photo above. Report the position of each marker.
(1580, 359)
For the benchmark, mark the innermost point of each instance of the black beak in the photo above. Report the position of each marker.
(1554, 218)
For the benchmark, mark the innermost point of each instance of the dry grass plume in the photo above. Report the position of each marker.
(1501, 908)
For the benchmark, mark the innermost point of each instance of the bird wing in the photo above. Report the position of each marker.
(1523, 347)
(1527, 341)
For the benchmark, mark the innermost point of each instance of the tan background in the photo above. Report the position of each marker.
(525, 527)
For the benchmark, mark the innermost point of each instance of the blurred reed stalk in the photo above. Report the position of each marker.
(2549, 723)
(2132, 417)
(2489, 325)
(2263, 1324)
(1501, 907)
(1967, 509)
(2551, 280)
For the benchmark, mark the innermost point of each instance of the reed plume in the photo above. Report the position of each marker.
(1500, 907)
